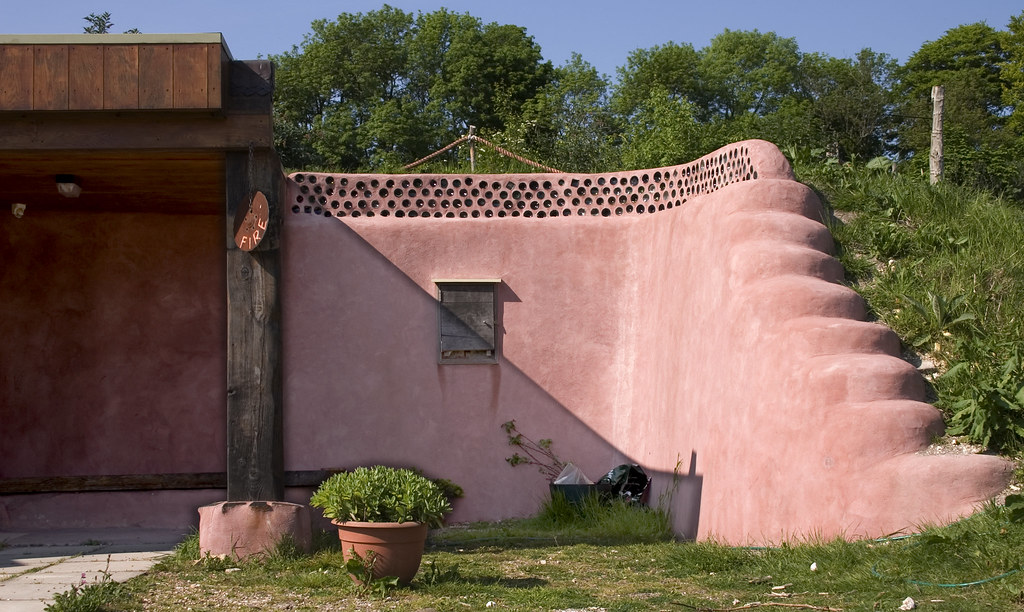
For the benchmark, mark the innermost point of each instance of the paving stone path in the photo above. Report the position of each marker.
(36, 565)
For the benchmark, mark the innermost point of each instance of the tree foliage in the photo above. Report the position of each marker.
(851, 104)
(670, 67)
(1012, 70)
(101, 23)
(969, 62)
(966, 61)
(662, 132)
(369, 91)
(377, 90)
(748, 72)
(568, 123)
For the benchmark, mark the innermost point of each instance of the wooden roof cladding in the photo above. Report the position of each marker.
(112, 72)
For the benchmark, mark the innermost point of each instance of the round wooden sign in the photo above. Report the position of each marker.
(251, 222)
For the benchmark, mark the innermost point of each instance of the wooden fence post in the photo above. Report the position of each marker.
(935, 160)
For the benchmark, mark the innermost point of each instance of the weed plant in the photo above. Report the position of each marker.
(92, 597)
(89, 596)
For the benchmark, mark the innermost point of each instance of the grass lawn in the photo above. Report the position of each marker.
(614, 559)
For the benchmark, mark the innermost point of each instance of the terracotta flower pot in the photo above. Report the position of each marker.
(396, 548)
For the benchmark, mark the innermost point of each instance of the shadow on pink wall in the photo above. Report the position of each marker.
(364, 386)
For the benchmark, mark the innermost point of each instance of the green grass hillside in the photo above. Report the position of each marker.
(943, 266)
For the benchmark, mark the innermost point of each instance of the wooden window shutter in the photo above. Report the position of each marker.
(467, 316)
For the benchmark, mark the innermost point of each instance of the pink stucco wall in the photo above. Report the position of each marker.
(710, 339)
(689, 319)
(113, 335)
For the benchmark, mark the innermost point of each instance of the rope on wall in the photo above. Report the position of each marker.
(471, 137)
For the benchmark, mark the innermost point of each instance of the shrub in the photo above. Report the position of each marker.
(381, 494)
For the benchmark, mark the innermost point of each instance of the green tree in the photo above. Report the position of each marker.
(742, 85)
(1012, 70)
(568, 123)
(850, 102)
(670, 67)
(491, 72)
(748, 72)
(980, 146)
(663, 132)
(383, 88)
(430, 65)
(966, 61)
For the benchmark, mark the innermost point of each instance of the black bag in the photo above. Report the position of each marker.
(630, 482)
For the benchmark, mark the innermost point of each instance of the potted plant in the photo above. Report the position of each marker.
(382, 514)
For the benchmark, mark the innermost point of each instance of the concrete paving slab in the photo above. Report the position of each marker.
(36, 565)
(15, 560)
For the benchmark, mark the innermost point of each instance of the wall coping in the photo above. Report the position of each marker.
(215, 38)
(540, 195)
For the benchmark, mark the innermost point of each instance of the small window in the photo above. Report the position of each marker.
(467, 318)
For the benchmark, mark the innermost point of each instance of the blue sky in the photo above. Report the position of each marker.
(604, 32)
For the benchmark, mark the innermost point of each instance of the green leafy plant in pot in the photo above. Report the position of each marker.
(382, 514)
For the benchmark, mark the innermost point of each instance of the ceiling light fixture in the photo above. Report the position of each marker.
(67, 186)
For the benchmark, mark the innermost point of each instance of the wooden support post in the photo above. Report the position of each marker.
(935, 160)
(472, 149)
(255, 448)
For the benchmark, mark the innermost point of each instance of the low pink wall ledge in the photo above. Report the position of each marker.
(241, 529)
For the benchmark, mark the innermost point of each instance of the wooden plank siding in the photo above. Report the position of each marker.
(155, 89)
(121, 77)
(190, 77)
(81, 77)
(217, 60)
(16, 82)
(50, 77)
(85, 77)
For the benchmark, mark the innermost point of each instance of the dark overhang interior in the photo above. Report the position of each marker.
(170, 182)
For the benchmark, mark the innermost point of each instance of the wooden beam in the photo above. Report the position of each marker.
(217, 71)
(155, 73)
(255, 452)
(179, 130)
(143, 482)
(122, 482)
